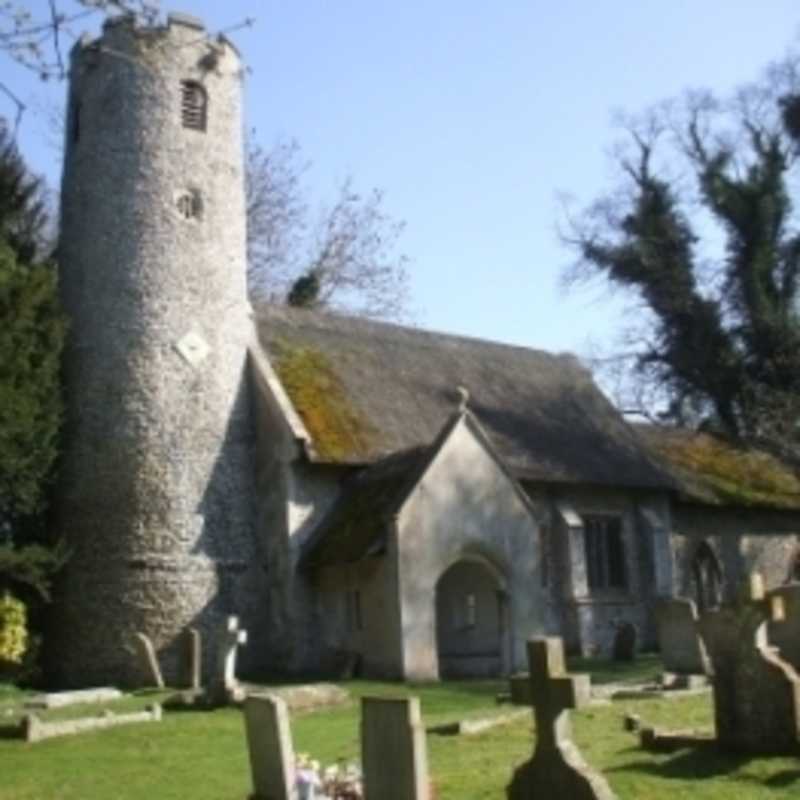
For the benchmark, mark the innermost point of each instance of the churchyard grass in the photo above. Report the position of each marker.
(204, 755)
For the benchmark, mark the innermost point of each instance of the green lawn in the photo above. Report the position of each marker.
(203, 755)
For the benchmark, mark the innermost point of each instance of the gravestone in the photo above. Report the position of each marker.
(756, 692)
(557, 769)
(193, 658)
(785, 634)
(624, 647)
(150, 659)
(394, 758)
(682, 648)
(224, 687)
(269, 743)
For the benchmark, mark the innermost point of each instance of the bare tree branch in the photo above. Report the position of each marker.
(347, 257)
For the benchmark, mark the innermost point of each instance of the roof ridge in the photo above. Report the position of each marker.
(264, 310)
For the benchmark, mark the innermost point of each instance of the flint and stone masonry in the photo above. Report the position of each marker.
(156, 503)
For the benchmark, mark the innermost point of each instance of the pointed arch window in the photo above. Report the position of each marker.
(706, 578)
(194, 105)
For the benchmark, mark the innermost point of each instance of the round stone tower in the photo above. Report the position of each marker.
(156, 499)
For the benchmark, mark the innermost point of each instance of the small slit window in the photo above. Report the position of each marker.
(471, 611)
(194, 106)
(355, 620)
(75, 122)
(190, 205)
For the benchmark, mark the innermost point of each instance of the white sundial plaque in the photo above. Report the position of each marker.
(193, 348)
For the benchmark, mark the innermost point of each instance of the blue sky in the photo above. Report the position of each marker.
(473, 117)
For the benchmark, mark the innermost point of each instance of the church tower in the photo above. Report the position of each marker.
(156, 499)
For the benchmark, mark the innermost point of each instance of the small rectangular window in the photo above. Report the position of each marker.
(75, 121)
(194, 105)
(471, 611)
(605, 553)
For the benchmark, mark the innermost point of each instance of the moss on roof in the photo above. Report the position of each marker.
(715, 470)
(339, 432)
(389, 388)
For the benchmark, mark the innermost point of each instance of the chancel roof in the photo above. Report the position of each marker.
(711, 470)
(366, 390)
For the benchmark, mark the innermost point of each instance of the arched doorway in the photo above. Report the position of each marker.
(471, 608)
(706, 578)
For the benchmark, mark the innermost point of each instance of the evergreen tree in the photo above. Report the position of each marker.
(31, 338)
(704, 231)
(32, 329)
(23, 217)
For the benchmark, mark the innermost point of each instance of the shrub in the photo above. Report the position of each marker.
(13, 630)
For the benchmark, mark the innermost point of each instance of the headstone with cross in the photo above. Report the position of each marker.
(785, 633)
(557, 768)
(224, 687)
(756, 692)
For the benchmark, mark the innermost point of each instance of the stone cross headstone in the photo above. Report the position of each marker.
(225, 687)
(269, 743)
(148, 654)
(785, 633)
(682, 648)
(193, 658)
(393, 754)
(756, 692)
(557, 769)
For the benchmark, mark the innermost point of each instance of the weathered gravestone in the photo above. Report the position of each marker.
(148, 655)
(756, 692)
(624, 646)
(557, 770)
(394, 758)
(269, 743)
(224, 687)
(193, 658)
(682, 648)
(785, 634)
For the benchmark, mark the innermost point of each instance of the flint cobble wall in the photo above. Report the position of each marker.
(157, 496)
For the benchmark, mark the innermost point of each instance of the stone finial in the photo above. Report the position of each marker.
(557, 768)
(463, 398)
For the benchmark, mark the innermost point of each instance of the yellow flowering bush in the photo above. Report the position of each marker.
(13, 629)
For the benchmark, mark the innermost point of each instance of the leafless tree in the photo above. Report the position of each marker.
(347, 250)
(33, 34)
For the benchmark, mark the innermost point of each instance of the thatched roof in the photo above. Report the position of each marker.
(365, 390)
(715, 471)
(356, 525)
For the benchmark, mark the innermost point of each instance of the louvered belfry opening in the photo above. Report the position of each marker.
(194, 105)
